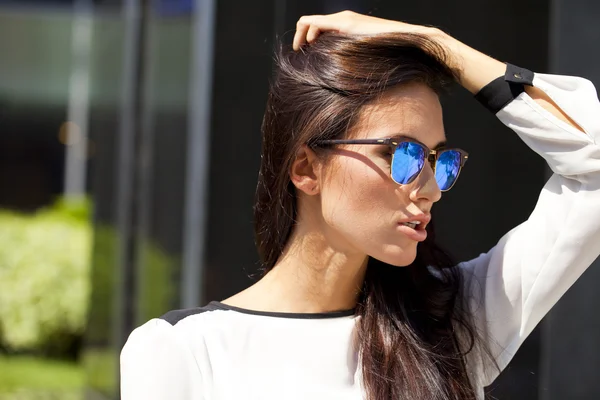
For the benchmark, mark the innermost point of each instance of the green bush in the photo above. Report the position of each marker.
(104, 291)
(155, 286)
(44, 277)
(51, 297)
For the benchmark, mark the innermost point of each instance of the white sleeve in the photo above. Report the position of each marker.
(156, 364)
(515, 284)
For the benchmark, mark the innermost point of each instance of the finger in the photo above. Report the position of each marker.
(331, 22)
(313, 33)
(301, 30)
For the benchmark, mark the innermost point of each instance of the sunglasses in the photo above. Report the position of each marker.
(408, 160)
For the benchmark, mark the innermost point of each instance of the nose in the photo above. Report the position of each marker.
(425, 186)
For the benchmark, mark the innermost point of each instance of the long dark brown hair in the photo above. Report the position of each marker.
(407, 336)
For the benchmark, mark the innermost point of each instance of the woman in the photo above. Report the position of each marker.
(357, 301)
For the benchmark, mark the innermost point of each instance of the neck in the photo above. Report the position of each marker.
(311, 276)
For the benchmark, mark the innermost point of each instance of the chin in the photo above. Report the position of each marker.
(400, 257)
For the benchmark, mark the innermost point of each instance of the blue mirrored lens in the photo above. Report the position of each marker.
(447, 169)
(408, 162)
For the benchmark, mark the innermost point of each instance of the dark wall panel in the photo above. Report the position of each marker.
(571, 332)
(242, 67)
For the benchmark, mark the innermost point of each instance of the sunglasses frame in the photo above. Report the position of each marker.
(431, 155)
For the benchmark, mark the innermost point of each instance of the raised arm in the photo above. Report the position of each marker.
(512, 286)
(476, 69)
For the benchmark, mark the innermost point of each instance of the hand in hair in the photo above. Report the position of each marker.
(476, 69)
(309, 27)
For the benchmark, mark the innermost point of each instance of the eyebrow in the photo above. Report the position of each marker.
(401, 136)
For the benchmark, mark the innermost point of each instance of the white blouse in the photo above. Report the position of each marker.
(222, 352)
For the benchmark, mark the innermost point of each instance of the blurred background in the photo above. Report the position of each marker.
(129, 151)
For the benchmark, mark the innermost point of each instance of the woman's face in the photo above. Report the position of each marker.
(362, 206)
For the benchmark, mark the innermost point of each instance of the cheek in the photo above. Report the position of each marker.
(358, 199)
(355, 192)
(360, 207)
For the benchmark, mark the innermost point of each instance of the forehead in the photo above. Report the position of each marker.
(411, 110)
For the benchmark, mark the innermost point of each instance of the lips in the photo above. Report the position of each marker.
(418, 234)
(414, 227)
(419, 221)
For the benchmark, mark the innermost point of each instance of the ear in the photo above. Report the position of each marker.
(305, 171)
